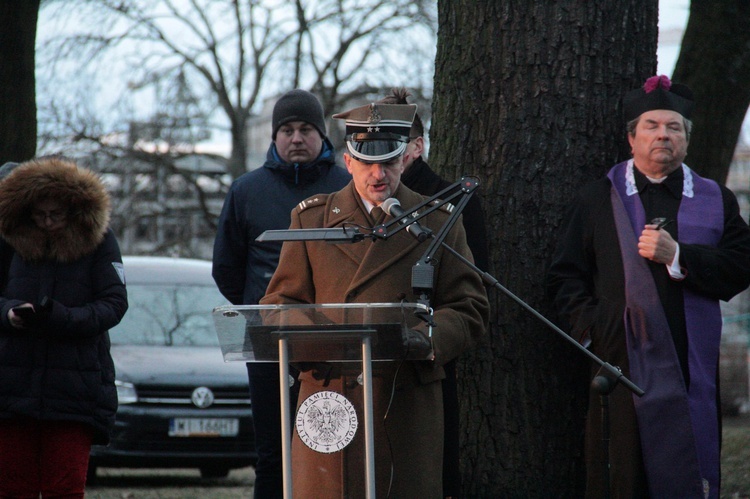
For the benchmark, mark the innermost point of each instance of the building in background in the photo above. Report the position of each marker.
(168, 207)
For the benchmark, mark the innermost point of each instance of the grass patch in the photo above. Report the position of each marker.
(735, 462)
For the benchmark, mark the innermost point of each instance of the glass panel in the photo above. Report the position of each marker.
(331, 332)
(164, 314)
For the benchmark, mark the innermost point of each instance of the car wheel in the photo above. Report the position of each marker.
(91, 474)
(214, 472)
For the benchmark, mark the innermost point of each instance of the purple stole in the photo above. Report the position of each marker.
(679, 429)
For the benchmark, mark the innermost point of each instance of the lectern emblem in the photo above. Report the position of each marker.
(326, 422)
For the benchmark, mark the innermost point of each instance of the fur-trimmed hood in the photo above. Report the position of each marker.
(79, 189)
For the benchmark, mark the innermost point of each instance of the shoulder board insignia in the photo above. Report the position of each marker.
(447, 207)
(317, 200)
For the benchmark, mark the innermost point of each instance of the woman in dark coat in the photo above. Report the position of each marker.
(62, 289)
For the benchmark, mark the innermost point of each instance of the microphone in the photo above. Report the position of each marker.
(392, 206)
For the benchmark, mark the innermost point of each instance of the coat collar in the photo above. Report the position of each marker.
(373, 257)
(301, 174)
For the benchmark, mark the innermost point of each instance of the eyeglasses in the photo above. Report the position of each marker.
(54, 215)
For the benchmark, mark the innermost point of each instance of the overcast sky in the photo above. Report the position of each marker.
(673, 15)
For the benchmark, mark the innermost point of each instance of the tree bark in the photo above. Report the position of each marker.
(714, 62)
(528, 98)
(17, 82)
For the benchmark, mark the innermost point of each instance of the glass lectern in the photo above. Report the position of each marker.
(361, 332)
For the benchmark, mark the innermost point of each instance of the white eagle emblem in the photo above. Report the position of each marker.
(326, 422)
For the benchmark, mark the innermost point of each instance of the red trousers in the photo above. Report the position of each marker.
(43, 457)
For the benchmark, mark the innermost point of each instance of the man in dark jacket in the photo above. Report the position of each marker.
(419, 177)
(645, 256)
(300, 163)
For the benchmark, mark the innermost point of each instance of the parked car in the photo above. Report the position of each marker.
(180, 404)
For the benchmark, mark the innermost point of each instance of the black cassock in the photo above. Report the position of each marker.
(586, 283)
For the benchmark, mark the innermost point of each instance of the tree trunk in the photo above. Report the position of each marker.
(17, 81)
(715, 63)
(528, 98)
(238, 157)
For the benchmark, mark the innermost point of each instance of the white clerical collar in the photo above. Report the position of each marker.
(631, 188)
(655, 180)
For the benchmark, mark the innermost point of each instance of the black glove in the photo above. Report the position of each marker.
(417, 346)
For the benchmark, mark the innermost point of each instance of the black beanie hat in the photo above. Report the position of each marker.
(298, 105)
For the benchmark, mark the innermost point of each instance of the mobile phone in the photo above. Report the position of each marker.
(24, 313)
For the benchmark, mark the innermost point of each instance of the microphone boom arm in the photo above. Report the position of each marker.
(423, 272)
(464, 187)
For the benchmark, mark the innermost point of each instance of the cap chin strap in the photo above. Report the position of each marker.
(376, 159)
(365, 136)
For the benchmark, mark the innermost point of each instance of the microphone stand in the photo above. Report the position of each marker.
(603, 383)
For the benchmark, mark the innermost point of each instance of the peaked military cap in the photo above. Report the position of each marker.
(658, 93)
(378, 132)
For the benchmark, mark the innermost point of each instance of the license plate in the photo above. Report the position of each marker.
(204, 427)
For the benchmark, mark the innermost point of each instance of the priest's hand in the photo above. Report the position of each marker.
(657, 245)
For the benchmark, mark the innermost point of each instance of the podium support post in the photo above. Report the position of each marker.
(369, 416)
(286, 415)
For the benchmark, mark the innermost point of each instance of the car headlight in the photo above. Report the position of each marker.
(126, 393)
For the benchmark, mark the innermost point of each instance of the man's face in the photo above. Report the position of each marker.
(298, 142)
(375, 182)
(660, 143)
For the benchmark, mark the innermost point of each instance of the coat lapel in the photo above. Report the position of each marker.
(372, 257)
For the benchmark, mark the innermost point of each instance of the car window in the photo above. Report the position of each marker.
(167, 314)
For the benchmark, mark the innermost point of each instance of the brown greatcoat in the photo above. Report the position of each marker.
(409, 433)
